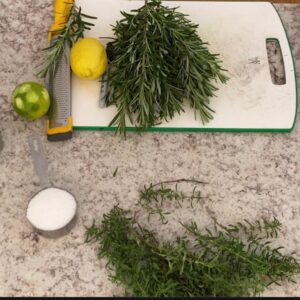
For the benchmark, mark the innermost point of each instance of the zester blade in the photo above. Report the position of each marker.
(59, 84)
(104, 88)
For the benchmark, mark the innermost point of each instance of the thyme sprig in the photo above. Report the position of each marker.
(157, 61)
(71, 33)
(235, 260)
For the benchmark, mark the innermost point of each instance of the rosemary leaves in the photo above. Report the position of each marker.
(237, 260)
(233, 260)
(153, 197)
(157, 61)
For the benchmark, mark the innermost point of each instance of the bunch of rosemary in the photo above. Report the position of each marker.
(157, 61)
(233, 260)
(71, 33)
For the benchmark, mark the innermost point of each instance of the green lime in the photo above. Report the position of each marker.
(31, 100)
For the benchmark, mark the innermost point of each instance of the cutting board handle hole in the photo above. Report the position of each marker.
(276, 62)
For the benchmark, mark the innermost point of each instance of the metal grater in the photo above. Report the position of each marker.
(60, 121)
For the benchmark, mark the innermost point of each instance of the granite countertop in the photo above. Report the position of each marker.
(250, 175)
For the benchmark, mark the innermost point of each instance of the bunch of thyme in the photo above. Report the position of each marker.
(236, 260)
(71, 33)
(158, 60)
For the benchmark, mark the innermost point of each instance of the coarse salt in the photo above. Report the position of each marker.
(51, 209)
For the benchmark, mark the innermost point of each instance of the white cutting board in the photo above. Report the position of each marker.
(238, 32)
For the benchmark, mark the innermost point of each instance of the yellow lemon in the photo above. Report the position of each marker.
(88, 58)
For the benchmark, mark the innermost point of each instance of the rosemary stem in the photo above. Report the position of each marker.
(178, 181)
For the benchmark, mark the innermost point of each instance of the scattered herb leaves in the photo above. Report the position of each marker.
(115, 172)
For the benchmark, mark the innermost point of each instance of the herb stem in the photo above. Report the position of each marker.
(178, 181)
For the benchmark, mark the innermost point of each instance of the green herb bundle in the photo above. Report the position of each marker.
(233, 260)
(236, 260)
(157, 61)
(71, 33)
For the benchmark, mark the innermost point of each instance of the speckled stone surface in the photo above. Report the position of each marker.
(250, 175)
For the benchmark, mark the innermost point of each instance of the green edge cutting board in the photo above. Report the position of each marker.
(238, 31)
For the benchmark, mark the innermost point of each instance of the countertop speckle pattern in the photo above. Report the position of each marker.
(250, 175)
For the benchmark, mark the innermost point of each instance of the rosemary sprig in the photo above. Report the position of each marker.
(154, 196)
(71, 32)
(157, 61)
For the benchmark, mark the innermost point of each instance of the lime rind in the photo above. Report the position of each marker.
(19, 103)
(36, 108)
(45, 93)
(32, 97)
(16, 93)
(24, 88)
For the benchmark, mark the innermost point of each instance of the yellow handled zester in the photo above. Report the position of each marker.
(60, 124)
(62, 10)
